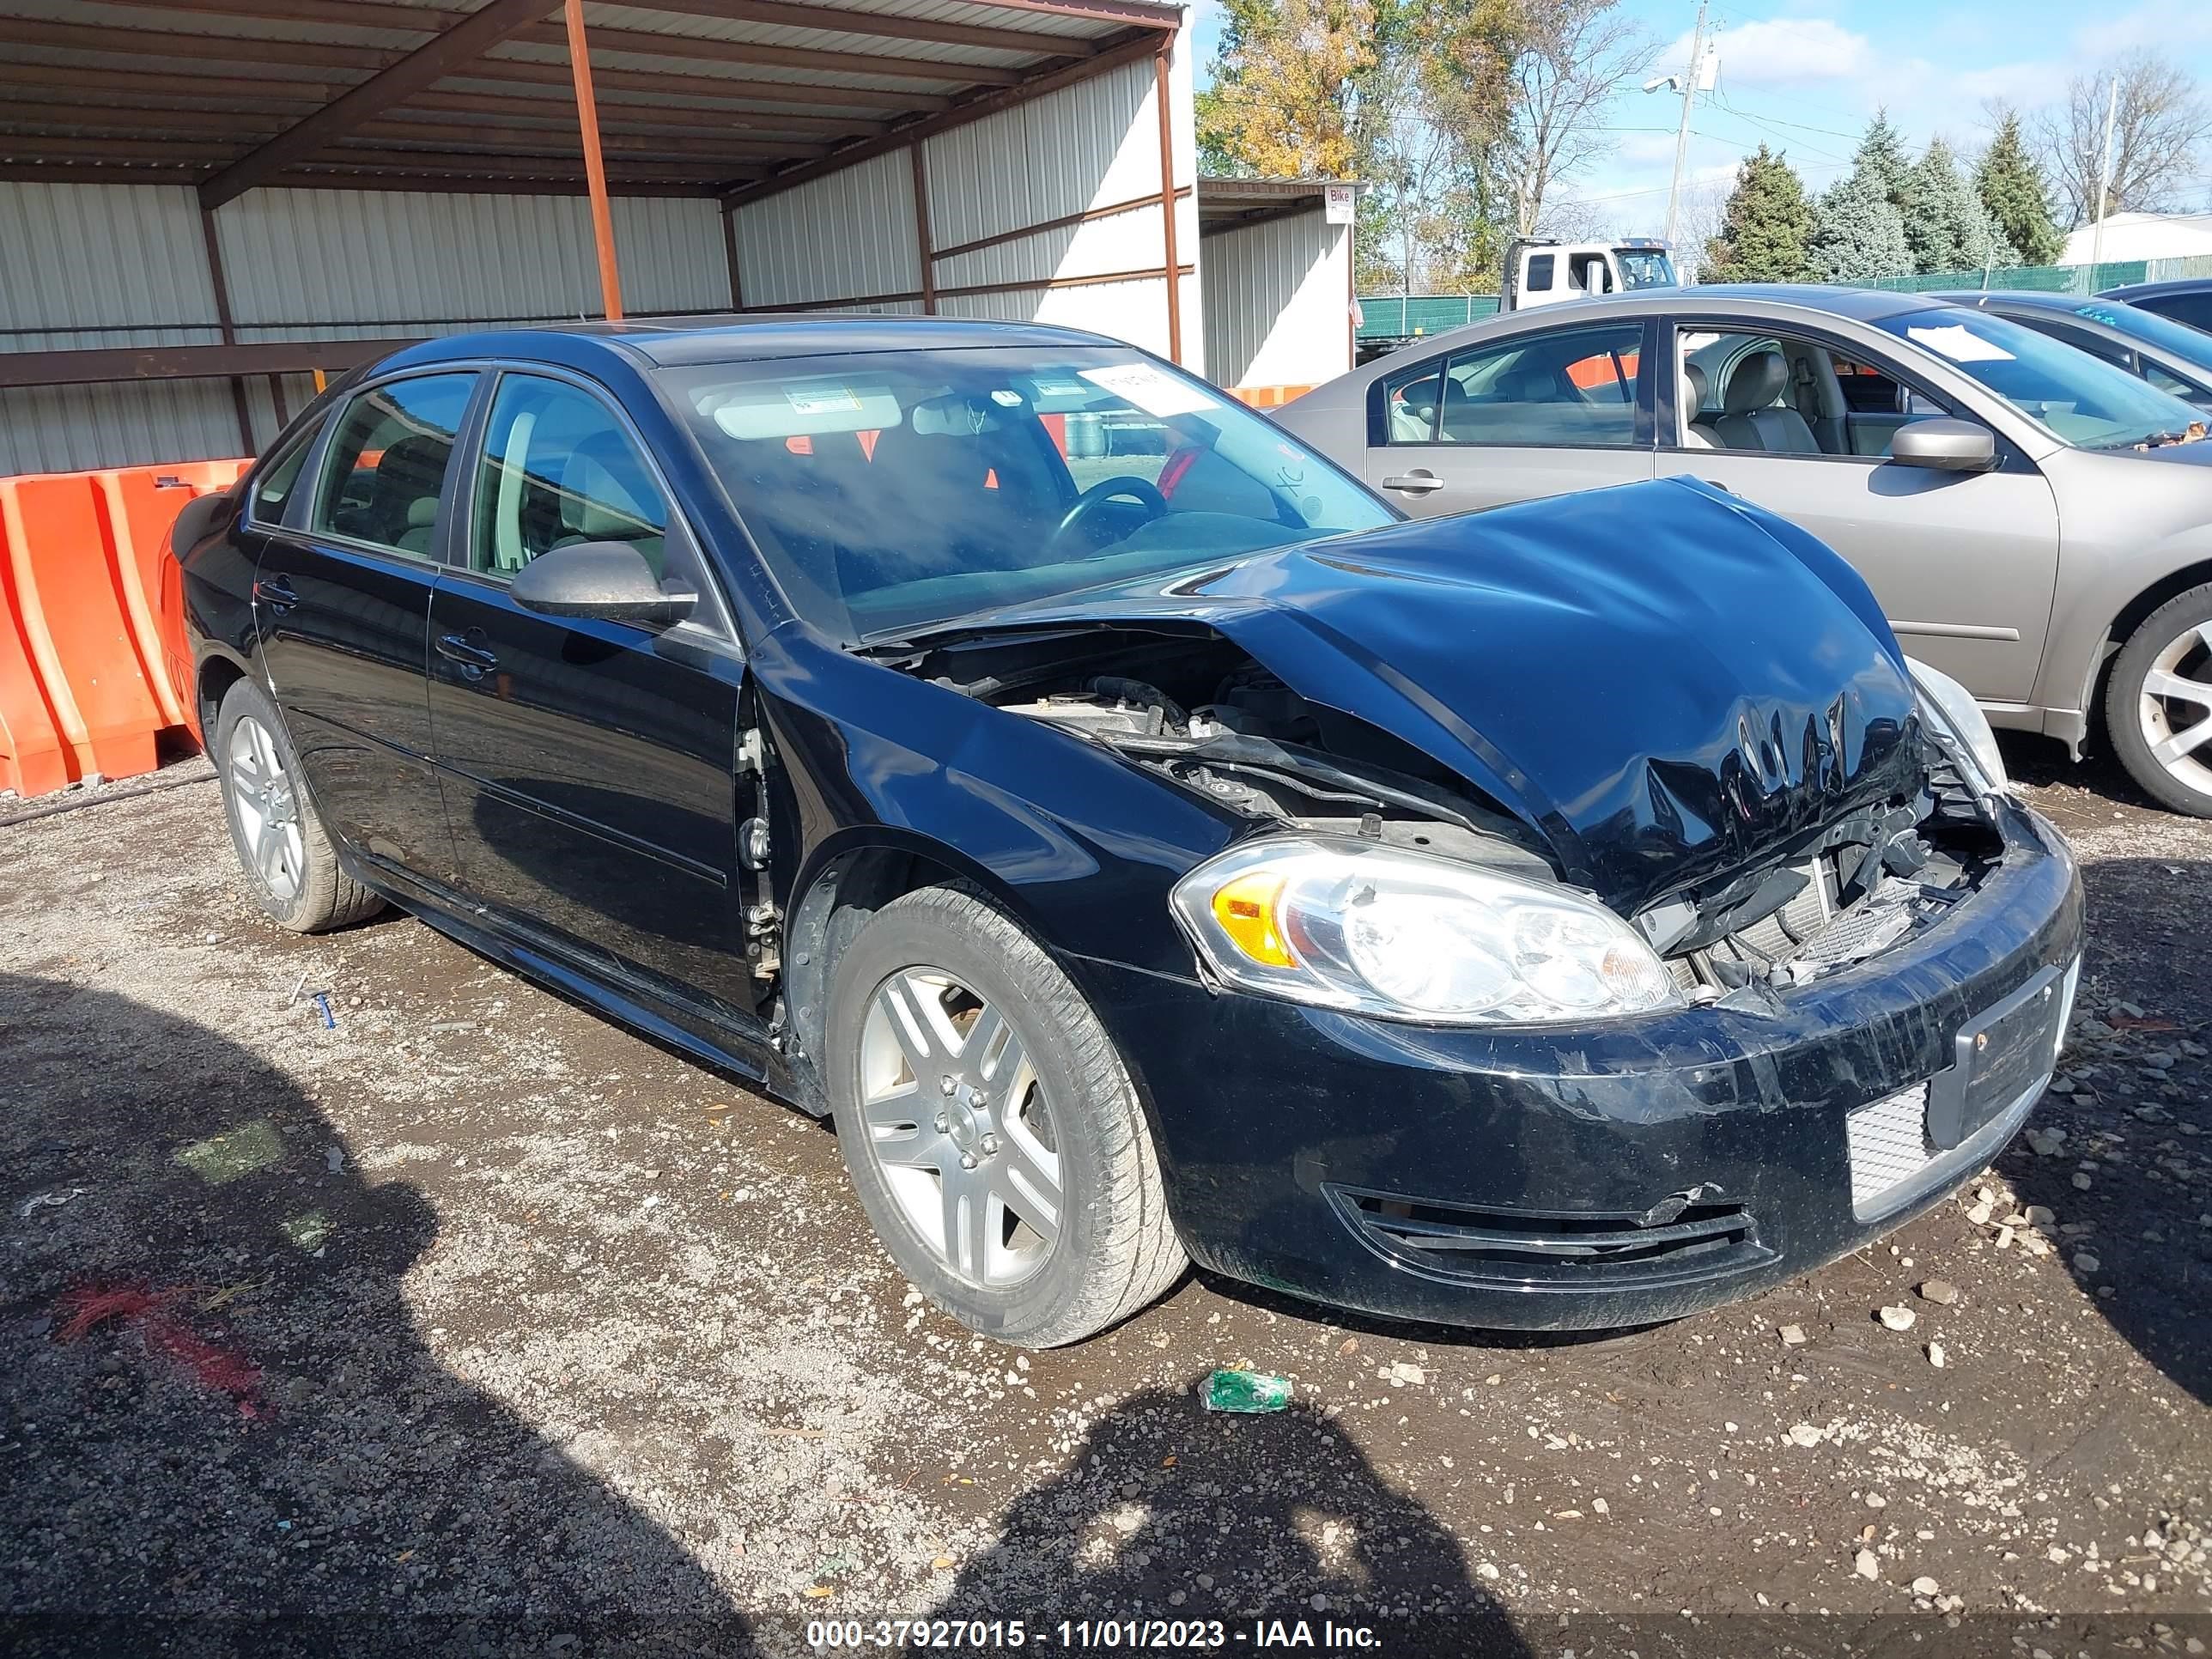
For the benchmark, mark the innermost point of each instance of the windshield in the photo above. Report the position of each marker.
(891, 491)
(1645, 270)
(2081, 399)
(2192, 345)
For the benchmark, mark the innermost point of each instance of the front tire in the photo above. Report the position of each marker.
(2158, 706)
(284, 850)
(990, 1129)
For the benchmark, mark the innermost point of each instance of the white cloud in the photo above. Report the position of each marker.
(1785, 51)
(2161, 28)
(2024, 86)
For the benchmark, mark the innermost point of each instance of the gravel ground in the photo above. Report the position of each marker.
(471, 1323)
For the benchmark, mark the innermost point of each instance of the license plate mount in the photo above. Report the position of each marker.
(2001, 1054)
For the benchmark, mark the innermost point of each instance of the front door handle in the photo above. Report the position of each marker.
(276, 592)
(475, 660)
(1420, 482)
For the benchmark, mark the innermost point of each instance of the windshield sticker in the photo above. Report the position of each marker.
(1149, 389)
(820, 399)
(1060, 388)
(1956, 341)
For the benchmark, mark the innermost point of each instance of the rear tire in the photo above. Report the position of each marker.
(2158, 704)
(990, 1129)
(285, 852)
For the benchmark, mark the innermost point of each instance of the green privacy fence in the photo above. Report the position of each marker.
(1389, 316)
(1393, 315)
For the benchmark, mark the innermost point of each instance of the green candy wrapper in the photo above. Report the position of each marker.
(1247, 1391)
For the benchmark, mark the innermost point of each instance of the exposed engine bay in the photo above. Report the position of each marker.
(1203, 713)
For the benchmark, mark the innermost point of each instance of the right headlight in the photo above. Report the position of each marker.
(1962, 718)
(1360, 925)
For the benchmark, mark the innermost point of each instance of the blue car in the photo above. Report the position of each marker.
(1146, 847)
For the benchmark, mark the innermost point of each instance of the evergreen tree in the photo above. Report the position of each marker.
(1881, 158)
(2012, 187)
(1765, 226)
(1945, 223)
(1857, 233)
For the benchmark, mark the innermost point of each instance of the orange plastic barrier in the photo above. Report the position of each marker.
(92, 648)
(1267, 397)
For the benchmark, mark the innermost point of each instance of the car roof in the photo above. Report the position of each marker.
(1762, 301)
(1866, 304)
(2152, 290)
(2038, 299)
(685, 342)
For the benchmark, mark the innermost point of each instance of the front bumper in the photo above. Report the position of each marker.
(1571, 1178)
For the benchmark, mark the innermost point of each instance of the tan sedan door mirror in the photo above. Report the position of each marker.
(1944, 445)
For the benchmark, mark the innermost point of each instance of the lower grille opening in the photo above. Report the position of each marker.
(1496, 1246)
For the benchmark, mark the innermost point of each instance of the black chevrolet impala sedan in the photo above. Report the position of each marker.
(1145, 846)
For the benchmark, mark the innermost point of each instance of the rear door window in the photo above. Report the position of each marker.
(2194, 309)
(386, 466)
(1574, 387)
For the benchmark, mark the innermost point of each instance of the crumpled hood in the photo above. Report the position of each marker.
(1662, 679)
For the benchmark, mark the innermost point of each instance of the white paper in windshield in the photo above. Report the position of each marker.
(819, 398)
(1955, 341)
(1150, 390)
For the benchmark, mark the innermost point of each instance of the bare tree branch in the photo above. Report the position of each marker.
(2162, 131)
(1575, 57)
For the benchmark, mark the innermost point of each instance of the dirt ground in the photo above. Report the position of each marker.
(468, 1322)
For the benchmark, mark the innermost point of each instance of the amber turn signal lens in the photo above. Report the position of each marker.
(1246, 908)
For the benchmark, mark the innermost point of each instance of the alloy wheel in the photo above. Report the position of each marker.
(959, 1128)
(2174, 707)
(268, 808)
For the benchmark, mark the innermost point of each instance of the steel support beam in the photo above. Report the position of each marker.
(595, 168)
(1173, 266)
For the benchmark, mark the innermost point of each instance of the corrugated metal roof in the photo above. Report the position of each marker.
(223, 25)
(675, 61)
(678, 25)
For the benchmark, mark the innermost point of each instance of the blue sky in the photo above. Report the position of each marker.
(1804, 76)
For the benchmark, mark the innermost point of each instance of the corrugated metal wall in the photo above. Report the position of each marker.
(1278, 302)
(846, 236)
(118, 266)
(100, 265)
(355, 263)
(851, 235)
(84, 267)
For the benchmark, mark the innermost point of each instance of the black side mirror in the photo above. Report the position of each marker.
(609, 582)
(1945, 445)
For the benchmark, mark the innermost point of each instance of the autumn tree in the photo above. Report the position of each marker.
(1764, 226)
(1284, 101)
(2012, 187)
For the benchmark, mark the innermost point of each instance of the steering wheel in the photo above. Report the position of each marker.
(1147, 496)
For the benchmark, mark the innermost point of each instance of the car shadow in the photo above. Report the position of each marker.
(2126, 1185)
(219, 1419)
(1167, 1511)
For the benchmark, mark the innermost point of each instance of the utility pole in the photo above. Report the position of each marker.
(2104, 183)
(1682, 133)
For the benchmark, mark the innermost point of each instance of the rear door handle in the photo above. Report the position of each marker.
(475, 660)
(1420, 482)
(276, 592)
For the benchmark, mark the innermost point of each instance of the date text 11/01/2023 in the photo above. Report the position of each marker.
(1127, 1634)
